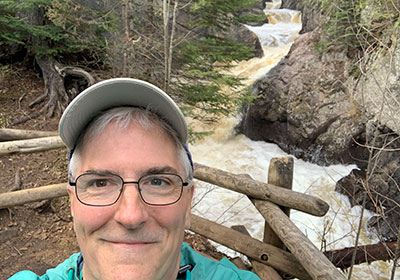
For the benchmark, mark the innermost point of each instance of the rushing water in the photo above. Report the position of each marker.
(238, 154)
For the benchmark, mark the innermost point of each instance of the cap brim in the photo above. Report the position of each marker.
(118, 92)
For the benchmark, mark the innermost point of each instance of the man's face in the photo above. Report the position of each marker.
(131, 240)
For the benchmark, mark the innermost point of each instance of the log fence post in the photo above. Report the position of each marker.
(280, 174)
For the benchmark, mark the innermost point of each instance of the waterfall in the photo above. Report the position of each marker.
(240, 155)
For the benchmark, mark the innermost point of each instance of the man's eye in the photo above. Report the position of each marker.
(157, 182)
(99, 183)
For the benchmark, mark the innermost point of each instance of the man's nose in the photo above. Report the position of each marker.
(131, 211)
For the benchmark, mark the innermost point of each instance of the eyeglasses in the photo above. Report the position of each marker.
(95, 189)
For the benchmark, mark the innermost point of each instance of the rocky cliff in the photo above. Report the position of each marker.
(316, 106)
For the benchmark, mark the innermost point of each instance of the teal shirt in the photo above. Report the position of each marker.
(203, 269)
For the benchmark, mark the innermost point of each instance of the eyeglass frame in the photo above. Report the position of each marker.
(184, 184)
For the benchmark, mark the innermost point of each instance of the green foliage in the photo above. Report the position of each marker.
(255, 19)
(219, 13)
(357, 24)
(54, 28)
(218, 49)
(202, 82)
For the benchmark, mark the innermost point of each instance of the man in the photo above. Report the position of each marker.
(130, 187)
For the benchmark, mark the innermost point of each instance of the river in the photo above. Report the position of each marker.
(238, 154)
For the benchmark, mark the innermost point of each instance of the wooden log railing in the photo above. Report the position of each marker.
(304, 261)
(255, 189)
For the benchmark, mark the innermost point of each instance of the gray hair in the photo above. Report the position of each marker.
(123, 117)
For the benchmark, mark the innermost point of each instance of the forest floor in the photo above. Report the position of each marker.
(39, 235)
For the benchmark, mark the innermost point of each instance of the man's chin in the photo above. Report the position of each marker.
(124, 272)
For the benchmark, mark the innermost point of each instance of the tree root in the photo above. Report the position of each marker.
(55, 91)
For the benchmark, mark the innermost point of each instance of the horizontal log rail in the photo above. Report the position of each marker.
(288, 198)
(264, 271)
(255, 189)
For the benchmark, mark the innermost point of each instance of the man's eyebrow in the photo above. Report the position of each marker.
(149, 171)
(160, 169)
(99, 172)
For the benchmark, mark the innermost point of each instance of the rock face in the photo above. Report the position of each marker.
(378, 90)
(312, 108)
(305, 108)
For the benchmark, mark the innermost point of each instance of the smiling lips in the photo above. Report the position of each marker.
(131, 245)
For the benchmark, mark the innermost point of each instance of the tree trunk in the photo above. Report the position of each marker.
(126, 40)
(53, 76)
(57, 97)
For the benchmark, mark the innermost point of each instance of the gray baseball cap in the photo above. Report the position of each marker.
(118, 92)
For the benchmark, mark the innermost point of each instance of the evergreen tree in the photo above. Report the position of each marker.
(51, 32)
(181, 46)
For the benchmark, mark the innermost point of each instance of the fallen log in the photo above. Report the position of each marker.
(9, 134)
(30, 145)
(31, 195)
(281, 196)
(341, 258)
